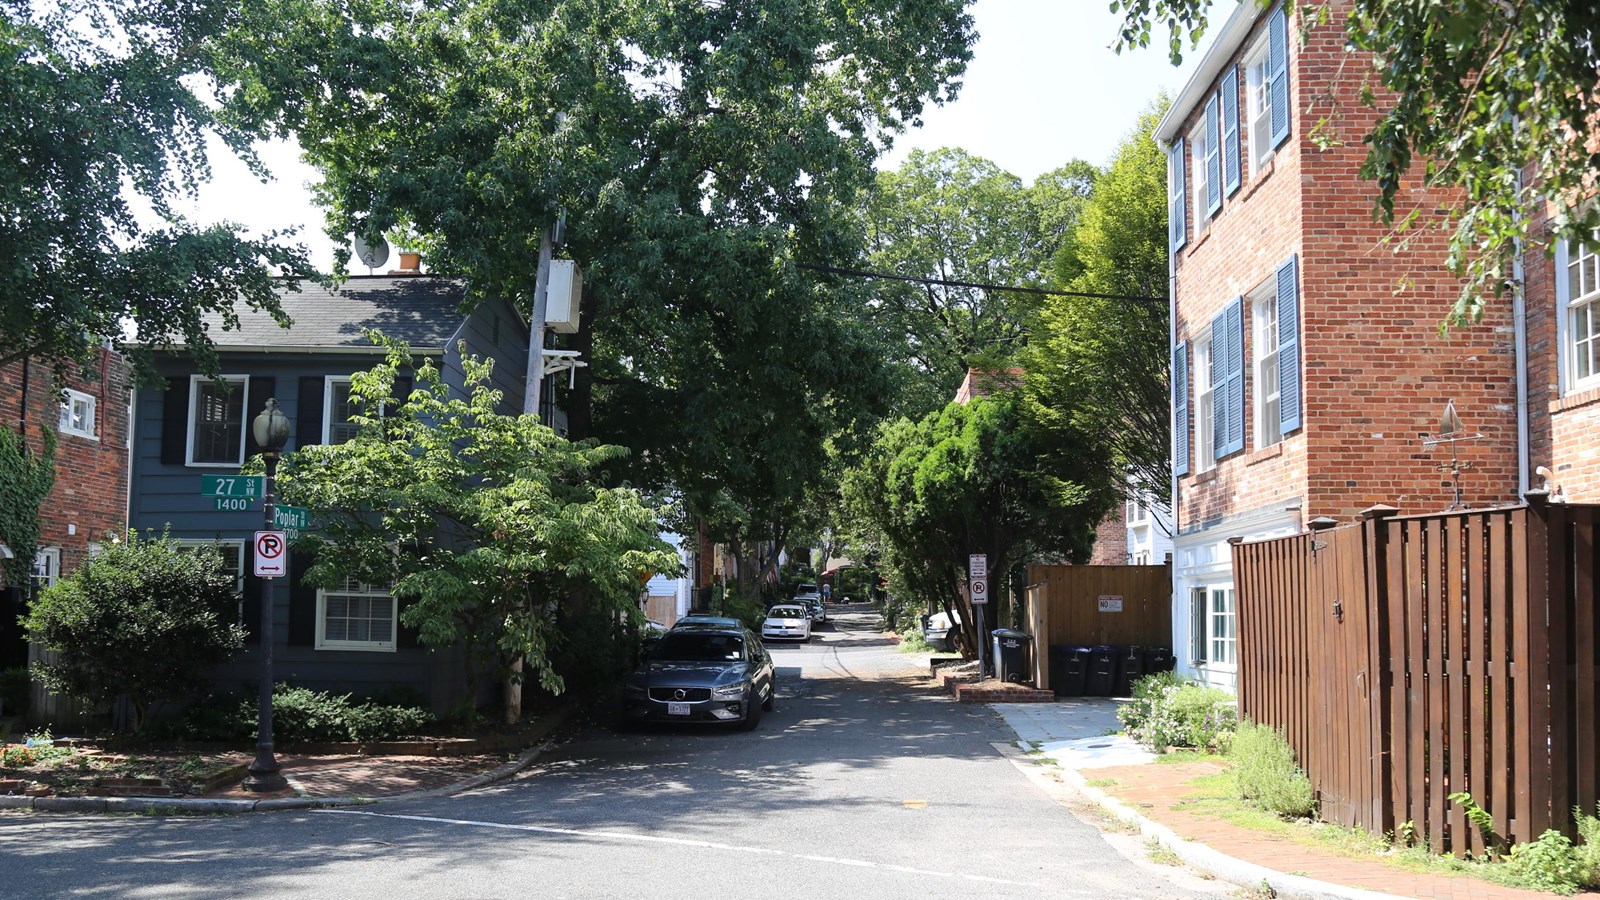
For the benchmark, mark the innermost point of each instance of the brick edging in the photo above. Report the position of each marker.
(1213, 861)
(199, 805)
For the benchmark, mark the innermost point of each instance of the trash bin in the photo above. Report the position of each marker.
(1013, 656)
(1102, 676)
(1131, 669)
(1069, 667)
(1158, 659)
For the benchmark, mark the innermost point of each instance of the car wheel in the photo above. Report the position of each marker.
(752, 717)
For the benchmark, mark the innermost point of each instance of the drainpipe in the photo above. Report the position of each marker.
(1519, 315)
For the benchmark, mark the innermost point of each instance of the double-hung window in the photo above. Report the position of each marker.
(1200, 144)
(1213, 632)
(1258, 106)
(46, 567)
(342, 408)
(216, 420)
(356, 616)
(1580, 295)
(1204, 405)
(77, 413)
(1264, 323)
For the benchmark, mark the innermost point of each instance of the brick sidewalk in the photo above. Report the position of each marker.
(1157, 790)
(369, 777)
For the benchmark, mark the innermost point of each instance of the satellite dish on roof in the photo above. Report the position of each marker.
(373, 252)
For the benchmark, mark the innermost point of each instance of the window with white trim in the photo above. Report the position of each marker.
(216, 420)
(1136, 513)
(1199, 142)
(232, 557)
(77, 413)
(1258, 105)
(1581, 318)
(1224, 634)
(1264, 328)
(356, 616)
(340, 409)
(1204, 405)
(46, 567)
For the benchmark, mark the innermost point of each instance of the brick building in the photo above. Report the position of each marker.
(89, 501)
(1307, 362)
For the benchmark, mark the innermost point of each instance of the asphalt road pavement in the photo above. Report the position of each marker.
(860, 785)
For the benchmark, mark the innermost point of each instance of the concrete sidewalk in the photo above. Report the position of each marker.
(1076, 735)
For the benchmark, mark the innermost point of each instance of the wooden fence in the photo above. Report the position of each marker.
(1408, 658)
(1064, 608)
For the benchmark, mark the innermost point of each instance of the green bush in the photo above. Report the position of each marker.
(1147, 692)
(1185, 715)
(749, 610)
(299, 715)
(1589, 850)
(1265, 772)
(1547, 864)
(145, 618)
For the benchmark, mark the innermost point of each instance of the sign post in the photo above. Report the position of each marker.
(978, 596)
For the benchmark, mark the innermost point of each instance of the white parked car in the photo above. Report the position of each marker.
(787, 622)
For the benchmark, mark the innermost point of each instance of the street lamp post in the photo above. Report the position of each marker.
(271, 430)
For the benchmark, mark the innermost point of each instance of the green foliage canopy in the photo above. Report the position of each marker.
(1495, 100)
(484, 522)
(1100, 367)
(146, 617)
(100, 117)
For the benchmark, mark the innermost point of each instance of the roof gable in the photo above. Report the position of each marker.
(424, 312)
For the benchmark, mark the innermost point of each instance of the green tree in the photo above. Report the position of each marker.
(100, 119)
(145, 618)
(490, 526)
(1098, 366)
(951, 216)
(697, 150)
(1497, 101)
(974, 478)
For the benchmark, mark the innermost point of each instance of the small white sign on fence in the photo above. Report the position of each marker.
(1110, 603)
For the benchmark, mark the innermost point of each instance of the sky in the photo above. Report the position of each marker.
(1043, 88)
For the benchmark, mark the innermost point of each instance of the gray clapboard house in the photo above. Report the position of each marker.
(350, 639)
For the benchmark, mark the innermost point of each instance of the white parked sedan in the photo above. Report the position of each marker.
(787, 622)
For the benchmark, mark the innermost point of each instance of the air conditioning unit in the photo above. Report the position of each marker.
(565, 296)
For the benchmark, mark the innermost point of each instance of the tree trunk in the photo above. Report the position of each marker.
(513, 708)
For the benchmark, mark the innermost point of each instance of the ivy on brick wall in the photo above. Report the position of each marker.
(25, 480)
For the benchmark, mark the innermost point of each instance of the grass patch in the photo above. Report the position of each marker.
(1101, 782)
(913, 641)
(1189, 756)
(1161, 854)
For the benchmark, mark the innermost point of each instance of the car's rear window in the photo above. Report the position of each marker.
(688, 646)
(786, 612)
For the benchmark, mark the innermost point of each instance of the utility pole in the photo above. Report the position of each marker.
(541, 305)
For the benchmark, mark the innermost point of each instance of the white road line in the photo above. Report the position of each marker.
(679, 842)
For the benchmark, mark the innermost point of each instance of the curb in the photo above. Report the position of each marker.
(1215, 862)
(161, 806)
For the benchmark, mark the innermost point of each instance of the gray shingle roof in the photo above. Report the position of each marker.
(422, 311)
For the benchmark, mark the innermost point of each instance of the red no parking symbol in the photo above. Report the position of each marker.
(271, 554)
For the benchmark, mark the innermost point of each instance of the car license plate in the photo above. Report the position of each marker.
(677, 709)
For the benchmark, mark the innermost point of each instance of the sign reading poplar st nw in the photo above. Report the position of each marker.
(245, 486)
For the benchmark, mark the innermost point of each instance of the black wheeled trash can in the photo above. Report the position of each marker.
(1013, 655)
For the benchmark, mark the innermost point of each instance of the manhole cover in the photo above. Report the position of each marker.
(1098, 746)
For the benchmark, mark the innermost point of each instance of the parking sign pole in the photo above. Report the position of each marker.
(272, 433)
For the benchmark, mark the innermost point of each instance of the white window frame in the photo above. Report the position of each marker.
(363, 590)
(1571, 301)
(1199, 142)
(77, 414)
(1202, 447)
(236, 545)
(1214, 637)
(1258, 105)
(1136, 513)
(46, 568)
(241, 383)
(1266, 392)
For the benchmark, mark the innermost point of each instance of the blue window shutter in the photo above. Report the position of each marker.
(1177, 216)
(1213, 159)
(1219, 386)
(1278, 73)
(1289, 416)
(1180, 409)
(1234, 397)
(1230, 130)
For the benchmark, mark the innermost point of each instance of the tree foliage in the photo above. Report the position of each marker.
(100, 119)
(146, 618)
(697, 151)
(488, 525)
(949, 215)
(1495, 100)
(974, 478)
(1100, 367)
(25, 481)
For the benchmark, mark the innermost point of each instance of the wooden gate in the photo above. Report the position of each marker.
(1064, 609)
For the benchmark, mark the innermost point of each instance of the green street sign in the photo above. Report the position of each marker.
(233, 504)
(291, 518)
(247, 486)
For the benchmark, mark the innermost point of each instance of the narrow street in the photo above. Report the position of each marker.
(860, 785)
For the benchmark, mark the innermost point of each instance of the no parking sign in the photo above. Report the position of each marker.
(272, 553)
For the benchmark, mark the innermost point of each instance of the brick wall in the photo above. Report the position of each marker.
(1564, 428)
(1111, 539)
(1376, 371)
(90, 496)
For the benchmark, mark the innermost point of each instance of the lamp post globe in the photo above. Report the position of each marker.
(271, 431)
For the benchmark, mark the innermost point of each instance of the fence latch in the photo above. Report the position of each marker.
(1338, 610)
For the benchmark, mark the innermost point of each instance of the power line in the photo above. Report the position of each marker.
(944, 282)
